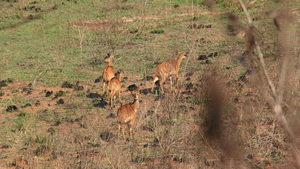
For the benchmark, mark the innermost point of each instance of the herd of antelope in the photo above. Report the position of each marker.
(126, 113)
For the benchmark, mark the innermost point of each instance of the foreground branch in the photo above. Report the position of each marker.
(277, 96)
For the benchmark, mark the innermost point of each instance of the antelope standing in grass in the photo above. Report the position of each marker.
(126, 115)
(167, 70)
(114, 87)
(108, 71)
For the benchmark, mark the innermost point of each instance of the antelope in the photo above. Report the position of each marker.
(126, 115)
(167, 69)
(114, 87)
(108, 71)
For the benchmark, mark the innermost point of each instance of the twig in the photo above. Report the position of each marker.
(33, 83)
(177, 140)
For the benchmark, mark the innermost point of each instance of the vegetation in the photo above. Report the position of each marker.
(220, 115)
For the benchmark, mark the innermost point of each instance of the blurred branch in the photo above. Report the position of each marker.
(277, 96)
(260, 55)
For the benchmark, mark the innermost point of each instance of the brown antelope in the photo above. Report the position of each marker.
(126, 115)
(108, 71)
(114, 87)
(166, 70)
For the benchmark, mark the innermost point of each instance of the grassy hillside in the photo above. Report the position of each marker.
(53, 113)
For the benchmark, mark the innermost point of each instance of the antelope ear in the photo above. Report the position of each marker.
(177, 52)
(120, 71)
(186, 53)
(107, 56)
(137, 92)
(113, 55)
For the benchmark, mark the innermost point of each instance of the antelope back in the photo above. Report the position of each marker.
(166, 68)
(108, 73)
(126, 113)
(114, 84)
